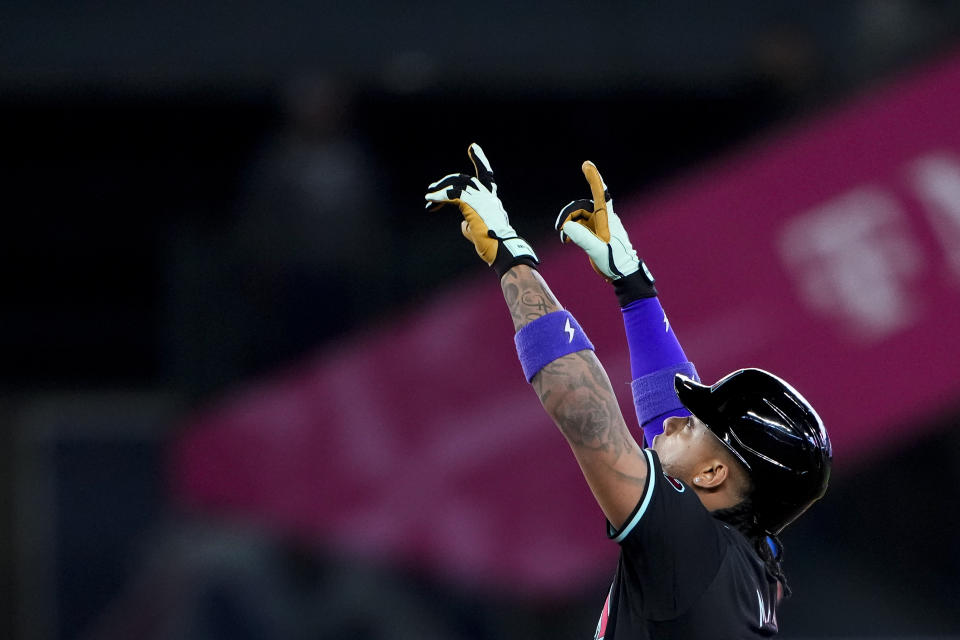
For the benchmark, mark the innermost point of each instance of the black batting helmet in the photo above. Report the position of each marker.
(774, 432)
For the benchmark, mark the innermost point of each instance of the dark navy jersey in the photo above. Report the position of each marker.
(684, 574)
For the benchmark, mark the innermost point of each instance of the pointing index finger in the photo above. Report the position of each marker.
(598, 188)
(600, 198)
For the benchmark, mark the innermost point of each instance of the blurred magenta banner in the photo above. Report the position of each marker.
(829, 254)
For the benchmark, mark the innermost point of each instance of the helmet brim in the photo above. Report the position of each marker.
(693, 395)
(697, 399)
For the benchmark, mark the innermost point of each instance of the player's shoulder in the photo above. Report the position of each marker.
(667, 503)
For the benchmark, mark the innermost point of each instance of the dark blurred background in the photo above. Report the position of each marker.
(197, 195)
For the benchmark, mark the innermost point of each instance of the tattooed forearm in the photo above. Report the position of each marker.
(528, 296)
(511, 292)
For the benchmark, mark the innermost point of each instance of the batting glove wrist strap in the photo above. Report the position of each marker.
(510, 253)
(547, 338)
(635, 287)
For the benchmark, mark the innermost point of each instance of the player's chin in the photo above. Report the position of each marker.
(653, 444)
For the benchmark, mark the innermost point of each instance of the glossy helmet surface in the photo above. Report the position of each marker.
(774, 432)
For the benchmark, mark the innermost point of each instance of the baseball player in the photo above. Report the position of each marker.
(729, 466)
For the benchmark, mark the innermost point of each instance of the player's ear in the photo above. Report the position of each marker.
(711, 474)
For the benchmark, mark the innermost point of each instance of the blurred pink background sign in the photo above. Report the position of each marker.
(830, 255)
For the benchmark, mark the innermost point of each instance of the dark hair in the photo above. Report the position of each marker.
(742, 517)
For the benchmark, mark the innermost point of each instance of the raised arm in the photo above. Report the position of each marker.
(655, 353)
(555, 354)
(576, 393)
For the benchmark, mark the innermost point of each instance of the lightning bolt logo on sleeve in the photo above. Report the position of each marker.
(569, 330)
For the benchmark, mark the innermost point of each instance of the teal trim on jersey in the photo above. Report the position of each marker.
(647, 495)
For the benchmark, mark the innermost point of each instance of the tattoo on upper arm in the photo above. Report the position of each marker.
(586, 409)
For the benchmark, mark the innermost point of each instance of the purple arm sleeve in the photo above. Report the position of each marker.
(655, 400)
(652, 342)
(655, 356)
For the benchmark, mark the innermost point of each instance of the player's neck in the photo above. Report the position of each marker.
(717, 499)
